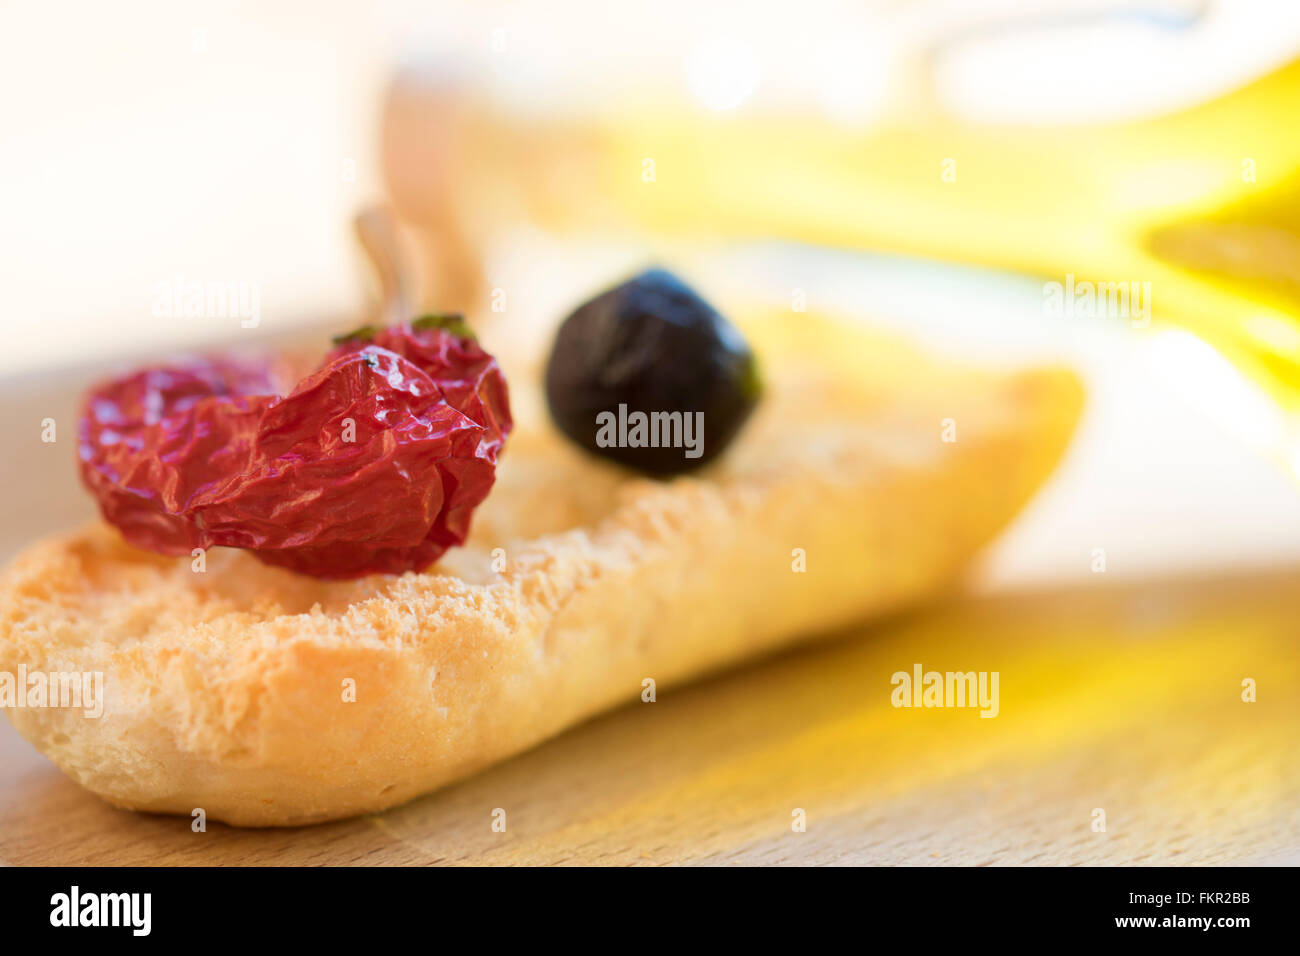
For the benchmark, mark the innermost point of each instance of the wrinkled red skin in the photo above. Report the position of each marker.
(205, 454)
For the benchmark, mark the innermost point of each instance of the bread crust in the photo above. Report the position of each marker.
(226, 689)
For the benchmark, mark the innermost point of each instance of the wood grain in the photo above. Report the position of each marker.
(1125, 698)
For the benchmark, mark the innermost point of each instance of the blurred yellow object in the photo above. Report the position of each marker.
(1204, 205)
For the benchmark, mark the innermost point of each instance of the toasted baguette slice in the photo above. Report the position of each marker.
(230, 690)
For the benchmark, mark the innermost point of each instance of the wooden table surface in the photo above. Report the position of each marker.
(1117, 695)
(1124, 698)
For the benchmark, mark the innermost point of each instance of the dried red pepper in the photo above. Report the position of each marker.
(375, 462)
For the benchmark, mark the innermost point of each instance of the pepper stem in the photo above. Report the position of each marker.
(376, 230)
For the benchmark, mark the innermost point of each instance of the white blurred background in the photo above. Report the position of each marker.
(147, 140)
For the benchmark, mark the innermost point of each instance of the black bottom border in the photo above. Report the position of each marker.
(238, 905)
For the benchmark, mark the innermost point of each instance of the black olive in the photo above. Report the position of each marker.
(650, 375)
